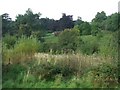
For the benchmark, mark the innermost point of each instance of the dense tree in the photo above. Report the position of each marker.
(79, 21)
(48, 24)
(69, 39)
(111, 23)
(97, 23)
(94, 27)
(28, 23)
(66, 22)
(99, 18)
(85, 28)
(7, 24)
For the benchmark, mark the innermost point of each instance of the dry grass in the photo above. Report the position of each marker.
(88, 59)
(77, 61)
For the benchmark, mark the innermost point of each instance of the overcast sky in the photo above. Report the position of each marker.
(86, 9)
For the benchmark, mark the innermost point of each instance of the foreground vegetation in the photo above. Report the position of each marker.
(24, 67)
(62, 71)
(46, 53)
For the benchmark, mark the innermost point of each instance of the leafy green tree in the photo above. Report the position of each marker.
(66, 22)
(48, 24)
(79, 21)
(99, 18)
(9, 40)
(111, 23)
(69, 39)
(98, 23)
(85, 28)
(28, 22)
(95, 30)
(7, 24)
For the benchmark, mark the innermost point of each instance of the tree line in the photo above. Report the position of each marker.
(31, 24)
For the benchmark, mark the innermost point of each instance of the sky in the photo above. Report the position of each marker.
(87, 9)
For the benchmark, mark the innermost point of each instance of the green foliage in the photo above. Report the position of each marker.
(7, 24)
(69, 39)
(48, 74)
(100, 16)
(90, 45)
(9, 41)
(108, 45)
(108, 73)
(48, 70)
(24, 67)
(24, 30)
(95, 29)
(27, 45)
(50, 38)
(28, 23)
(47, 47)
(85, 28)
(66, 22)
(111, 24)
(39, 35)
(50, 43)
(104, 43)
(103, 22)
(99, 20)
(24, 48)
(11, 72)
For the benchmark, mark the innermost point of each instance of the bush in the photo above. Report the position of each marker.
(47, 47)
(27, 45)
(69, 39)
(89, 45)
(109, 45)
(24, 49)
(12, 72)
(107, 73)
(9, 41)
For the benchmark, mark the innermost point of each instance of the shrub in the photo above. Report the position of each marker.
(90, 45)
(107, 73)
(69, 39)
(27, 45)
(47, 47)
(9, 41)
(24, 49)
(109, 45)
(12, 72)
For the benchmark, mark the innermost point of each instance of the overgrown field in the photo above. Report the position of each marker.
(62, 71)
(24, 66)
(65, 53)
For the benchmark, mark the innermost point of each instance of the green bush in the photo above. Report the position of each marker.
(89, 45)
(69, 39)
(9, 41)
(24, 49)
(109, 45)
(27, 45)
(107, 73)
(48, 70)
(12, 72)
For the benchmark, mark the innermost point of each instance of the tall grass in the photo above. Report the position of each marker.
(67, 64)
(24, 49)
(30, 69)
(63, 71)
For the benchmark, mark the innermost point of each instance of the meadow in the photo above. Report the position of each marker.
(30, 68)
(46, 53)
